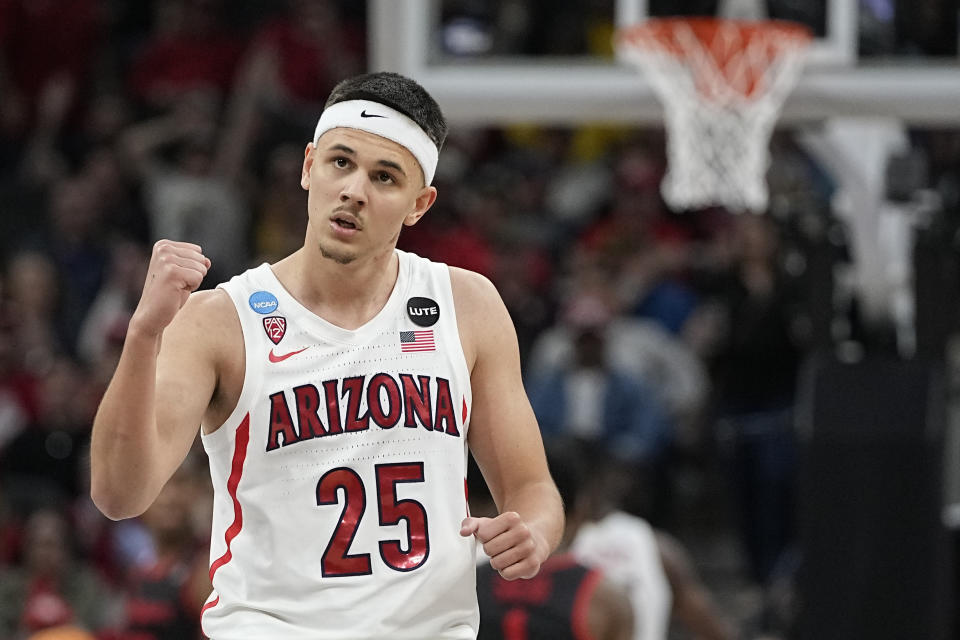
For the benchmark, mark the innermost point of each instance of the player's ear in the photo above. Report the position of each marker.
(309, 155)
(421, 205)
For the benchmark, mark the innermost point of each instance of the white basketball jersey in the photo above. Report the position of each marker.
(625, 548)
(339, 478)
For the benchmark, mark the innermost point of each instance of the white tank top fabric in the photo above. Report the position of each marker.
(625, 548)
(339, 478)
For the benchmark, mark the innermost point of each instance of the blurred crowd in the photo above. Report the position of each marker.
(672, 340)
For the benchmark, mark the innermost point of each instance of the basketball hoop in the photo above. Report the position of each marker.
(722, 84)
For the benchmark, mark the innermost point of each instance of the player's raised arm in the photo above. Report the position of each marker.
(504, 437)
(162, 387)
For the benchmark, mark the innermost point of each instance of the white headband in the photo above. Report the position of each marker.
(381, 120)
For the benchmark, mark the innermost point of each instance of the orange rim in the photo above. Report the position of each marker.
(766, 39)
(660, 33)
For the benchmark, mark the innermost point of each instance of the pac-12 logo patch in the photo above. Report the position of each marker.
(275, 326)
(263, 302)
(423, 311)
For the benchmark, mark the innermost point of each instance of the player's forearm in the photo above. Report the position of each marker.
(541, 509)
(124, 444)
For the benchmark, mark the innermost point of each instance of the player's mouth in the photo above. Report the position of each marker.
(344, 223)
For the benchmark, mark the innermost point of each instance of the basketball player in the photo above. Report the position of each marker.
(654, 567)
(566, 600)
(337, 391)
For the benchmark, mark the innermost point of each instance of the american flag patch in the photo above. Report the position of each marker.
(417, 341)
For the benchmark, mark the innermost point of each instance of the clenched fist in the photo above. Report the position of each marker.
(176, 269)
(515, 550)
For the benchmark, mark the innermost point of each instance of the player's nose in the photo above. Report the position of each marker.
(353, 188)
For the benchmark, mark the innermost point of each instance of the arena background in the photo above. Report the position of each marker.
(799, 366)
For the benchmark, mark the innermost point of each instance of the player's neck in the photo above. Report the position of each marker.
(347, 295)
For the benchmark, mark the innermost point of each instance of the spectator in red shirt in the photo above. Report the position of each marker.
(188, 50)
(310, 49)
(295, 60)
(43, 41)
(50, 586)
(166, 594)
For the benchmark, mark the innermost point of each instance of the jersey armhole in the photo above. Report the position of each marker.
(461, 353)
(222, 437)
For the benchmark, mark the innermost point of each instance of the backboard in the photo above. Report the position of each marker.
(568, 90)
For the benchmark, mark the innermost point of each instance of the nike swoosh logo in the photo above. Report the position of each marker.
(280, 358)
(364, 114)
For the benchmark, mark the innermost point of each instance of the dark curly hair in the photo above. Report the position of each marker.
(397, 92)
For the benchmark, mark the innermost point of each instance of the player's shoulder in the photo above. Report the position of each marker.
(480, 309)
(209, 303)
(481, 314)
(209, 314)
(616, 530)
(472, 288)
(626, 525)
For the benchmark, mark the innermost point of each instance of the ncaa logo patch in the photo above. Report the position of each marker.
(275, 326)
(263, 302)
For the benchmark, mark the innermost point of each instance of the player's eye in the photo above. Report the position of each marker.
(385, 178)
(341, 163)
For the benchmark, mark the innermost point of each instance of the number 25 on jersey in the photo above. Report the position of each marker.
(337, 560)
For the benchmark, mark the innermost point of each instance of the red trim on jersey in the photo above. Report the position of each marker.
(236, 471)
(581, 605)
(208, 605)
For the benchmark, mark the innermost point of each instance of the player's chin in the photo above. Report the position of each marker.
(339, 254)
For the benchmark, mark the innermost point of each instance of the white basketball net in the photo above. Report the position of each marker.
(718, 126)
